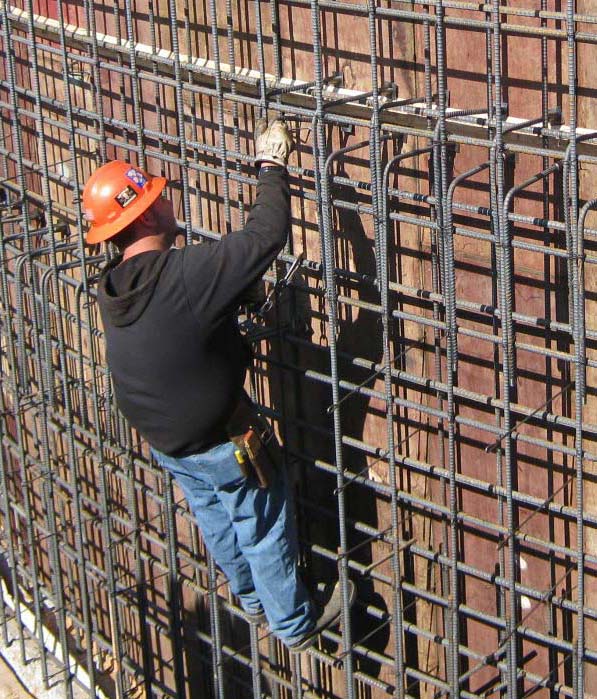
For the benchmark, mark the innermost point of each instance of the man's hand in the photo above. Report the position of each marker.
(273, 142)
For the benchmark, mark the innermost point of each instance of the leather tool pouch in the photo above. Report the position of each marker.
(255, 441)
(253, 458)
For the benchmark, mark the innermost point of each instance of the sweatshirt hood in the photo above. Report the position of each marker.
(123, 295)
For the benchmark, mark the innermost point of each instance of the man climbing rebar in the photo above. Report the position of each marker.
(178, 365)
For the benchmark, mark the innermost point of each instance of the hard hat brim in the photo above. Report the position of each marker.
(98, 234)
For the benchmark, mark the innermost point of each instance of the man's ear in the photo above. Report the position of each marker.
(147, 218)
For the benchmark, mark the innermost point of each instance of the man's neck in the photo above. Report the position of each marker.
(146, 244)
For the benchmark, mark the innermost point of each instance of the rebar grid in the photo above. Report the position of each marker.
(429, 368)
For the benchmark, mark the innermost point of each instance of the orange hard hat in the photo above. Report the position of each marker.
(115, 195)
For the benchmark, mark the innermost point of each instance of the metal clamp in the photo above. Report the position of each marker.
(281, 284)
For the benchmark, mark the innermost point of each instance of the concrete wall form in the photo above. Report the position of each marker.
(430, 369)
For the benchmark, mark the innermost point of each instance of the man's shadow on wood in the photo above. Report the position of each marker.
(309, 437)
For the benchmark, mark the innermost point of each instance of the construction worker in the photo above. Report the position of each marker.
(178, 365)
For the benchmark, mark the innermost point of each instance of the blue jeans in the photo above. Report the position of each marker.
(250, 533)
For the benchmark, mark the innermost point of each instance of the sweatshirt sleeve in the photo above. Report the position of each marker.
(216, 274)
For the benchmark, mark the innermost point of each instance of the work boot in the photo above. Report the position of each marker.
(328, 616)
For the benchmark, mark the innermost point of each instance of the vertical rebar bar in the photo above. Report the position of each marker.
(328, 260)
(508, 380)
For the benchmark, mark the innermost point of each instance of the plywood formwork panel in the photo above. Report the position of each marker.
(191, 122)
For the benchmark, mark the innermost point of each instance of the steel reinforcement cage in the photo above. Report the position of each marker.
(430, 366)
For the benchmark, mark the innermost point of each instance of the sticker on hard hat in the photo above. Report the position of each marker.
(125, 197)
(136, 177)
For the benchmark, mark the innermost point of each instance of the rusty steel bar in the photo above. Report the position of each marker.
(430, 365)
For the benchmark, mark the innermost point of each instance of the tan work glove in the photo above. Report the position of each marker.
(273, 142)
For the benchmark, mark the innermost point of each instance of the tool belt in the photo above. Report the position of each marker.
(257, 449)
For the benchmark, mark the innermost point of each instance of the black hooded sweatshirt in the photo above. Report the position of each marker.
(177, 359)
